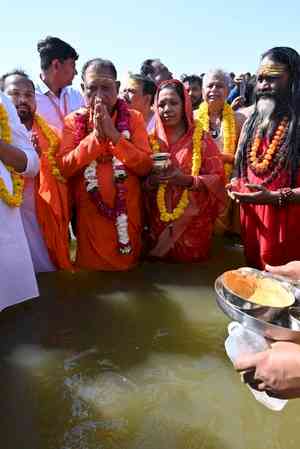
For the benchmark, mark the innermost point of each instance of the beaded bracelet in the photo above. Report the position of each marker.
(286, 195)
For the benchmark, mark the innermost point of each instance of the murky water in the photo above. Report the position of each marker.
(130, 361)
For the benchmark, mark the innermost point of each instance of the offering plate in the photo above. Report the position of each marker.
(278, 329)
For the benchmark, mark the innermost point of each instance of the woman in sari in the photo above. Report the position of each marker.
(182, 201)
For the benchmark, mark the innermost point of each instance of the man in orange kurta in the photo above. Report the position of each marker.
(52, 204)
(94, 134)
(45, 208)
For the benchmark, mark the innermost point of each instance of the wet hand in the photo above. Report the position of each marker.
(276, 371)
(290, 270)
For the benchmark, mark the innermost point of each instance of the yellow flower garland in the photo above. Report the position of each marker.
(53, 141)
(196, 165)
(229, 129)
(11, 199)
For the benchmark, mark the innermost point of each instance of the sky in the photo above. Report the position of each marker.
(189, 37)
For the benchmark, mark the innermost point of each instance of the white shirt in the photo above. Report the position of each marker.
(54, 109)
(17, 279)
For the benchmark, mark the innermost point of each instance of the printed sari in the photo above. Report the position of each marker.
(187, 239)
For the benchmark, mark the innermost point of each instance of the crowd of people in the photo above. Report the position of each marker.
(150, 169)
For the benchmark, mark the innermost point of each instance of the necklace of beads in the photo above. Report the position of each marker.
(261, 164)
(276, 163)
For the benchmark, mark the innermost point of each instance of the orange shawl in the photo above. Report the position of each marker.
(52, 206)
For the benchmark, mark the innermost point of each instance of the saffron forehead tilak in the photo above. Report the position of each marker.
(272, 69)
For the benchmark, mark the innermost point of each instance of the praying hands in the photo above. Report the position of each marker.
(103, 123)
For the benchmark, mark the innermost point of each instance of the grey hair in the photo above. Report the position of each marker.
(218, 73)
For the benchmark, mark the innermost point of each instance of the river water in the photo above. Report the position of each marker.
(130, 361)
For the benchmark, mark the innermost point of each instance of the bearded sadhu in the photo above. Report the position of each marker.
(268, 177)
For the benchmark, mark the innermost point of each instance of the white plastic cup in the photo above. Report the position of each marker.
(244, 341)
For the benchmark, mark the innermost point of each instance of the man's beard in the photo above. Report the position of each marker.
(270, 105)
(26, 116)
(265, 107)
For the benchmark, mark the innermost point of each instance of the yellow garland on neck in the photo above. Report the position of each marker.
(229, 130)
(53, 142)
(11, 199)
(196, 165)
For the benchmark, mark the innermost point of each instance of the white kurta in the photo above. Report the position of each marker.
(17, 279)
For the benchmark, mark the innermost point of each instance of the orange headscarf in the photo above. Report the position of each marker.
(187, 109)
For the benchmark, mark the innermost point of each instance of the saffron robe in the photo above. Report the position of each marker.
(97, 244)
(46, 214)
(270, 233)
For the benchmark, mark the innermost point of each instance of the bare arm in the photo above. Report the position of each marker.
(12, 156)
(20, 154)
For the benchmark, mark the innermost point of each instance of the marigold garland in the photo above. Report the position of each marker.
(11, 199)
(196, 165)
(53, 142)
(229, 130)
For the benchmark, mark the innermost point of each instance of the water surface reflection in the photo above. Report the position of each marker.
(133, 361)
